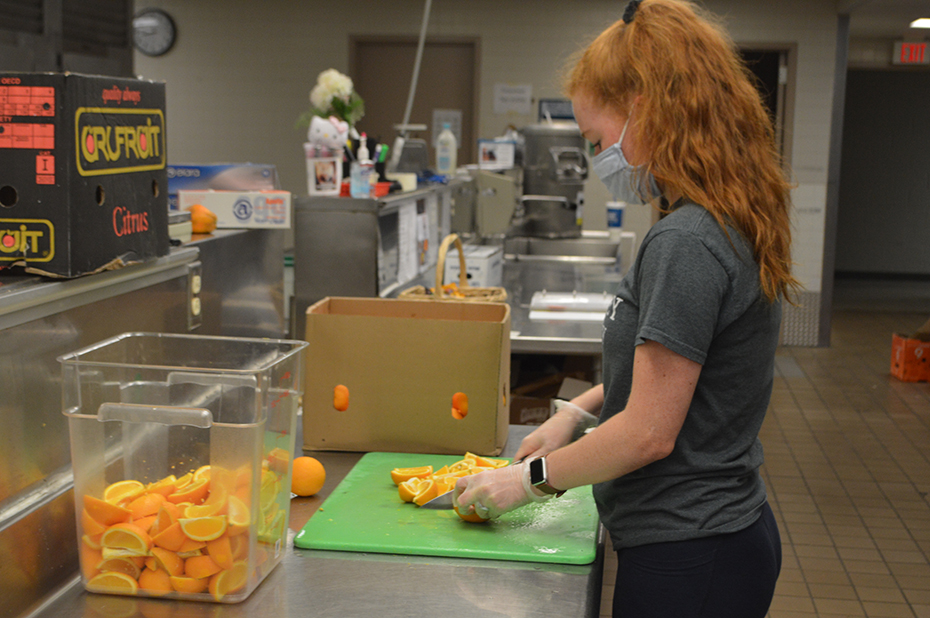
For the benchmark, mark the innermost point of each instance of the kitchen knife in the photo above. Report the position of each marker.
(444, 501)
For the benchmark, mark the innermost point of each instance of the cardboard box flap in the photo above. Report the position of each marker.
(412, 309)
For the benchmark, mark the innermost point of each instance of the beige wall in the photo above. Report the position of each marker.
(241, 72)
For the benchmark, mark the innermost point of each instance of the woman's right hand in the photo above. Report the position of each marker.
(555, 433)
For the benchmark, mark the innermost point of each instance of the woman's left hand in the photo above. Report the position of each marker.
(492, 493)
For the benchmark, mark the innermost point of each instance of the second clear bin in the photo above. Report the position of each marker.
(181, 448)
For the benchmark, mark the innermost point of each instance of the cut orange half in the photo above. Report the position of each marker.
(123, 491)
(113, 582)
(203, 528)
(129, 537)
(229, 580)
(399, 475)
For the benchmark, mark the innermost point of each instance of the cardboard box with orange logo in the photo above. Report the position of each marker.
(83, 186)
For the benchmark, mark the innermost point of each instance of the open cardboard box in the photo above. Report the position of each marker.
(402, 361)
(910, 355)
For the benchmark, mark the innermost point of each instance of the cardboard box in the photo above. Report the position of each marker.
(910, 355)
(243, 209)
(220, 177)
(402, 361)
(83, 185)
(484, 265)
(529, 410)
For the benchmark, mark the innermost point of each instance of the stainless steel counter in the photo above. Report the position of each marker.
(523, 278)
(344, 584)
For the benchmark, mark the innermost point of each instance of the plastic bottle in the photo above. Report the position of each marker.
(360, 171)
(446, 151)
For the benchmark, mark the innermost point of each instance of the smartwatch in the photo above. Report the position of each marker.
(539, 478)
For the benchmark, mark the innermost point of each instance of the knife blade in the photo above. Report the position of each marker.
(444, 501)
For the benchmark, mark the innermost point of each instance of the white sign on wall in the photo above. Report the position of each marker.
(513, 98)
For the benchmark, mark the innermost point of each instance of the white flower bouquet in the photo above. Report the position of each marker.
(334, 95)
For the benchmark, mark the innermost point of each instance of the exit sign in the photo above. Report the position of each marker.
(910, 53)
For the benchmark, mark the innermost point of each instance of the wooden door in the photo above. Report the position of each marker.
(382, 68)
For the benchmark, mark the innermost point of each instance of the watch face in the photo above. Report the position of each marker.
(153, 32)
(538, 471)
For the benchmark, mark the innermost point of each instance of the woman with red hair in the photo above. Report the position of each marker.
(670, 440)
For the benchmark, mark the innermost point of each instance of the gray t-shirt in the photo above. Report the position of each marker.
(690, 291)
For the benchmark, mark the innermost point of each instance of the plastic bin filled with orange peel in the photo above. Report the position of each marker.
(181, 447)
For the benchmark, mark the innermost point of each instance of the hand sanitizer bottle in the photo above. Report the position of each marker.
(360, 171)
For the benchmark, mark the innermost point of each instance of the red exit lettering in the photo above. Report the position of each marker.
(913, 53)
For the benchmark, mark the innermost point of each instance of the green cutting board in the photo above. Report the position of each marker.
(365, 514)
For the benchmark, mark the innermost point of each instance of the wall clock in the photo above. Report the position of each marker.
(153, 32)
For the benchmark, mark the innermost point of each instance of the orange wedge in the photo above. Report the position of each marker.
(191, 546)
(199, 567)
(188, 585)
(221, 551)
(104, 512)
(145, 505)
(145, 522)
(399, 475)
(89, 559)
(203, 528)
(427, 490)
(229, 580)
(237, 517)
(239, 546)
(156, 582)
(202, 473)
(407, 490)
(194, 492)
(119, 565)
(168, 561)
(171, 538)
(92, 541)
(215, 504)
(90, 525)
(127, 536)
(162, 521)
(122, 491)
(113, 582)
(165, 486)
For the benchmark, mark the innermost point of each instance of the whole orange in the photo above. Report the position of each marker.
(307, 477)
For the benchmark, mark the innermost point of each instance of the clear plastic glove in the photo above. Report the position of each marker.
(495, 492)
(567, 425)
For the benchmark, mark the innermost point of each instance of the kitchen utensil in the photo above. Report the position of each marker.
(365, 514)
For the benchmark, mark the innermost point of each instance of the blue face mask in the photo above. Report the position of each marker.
(627, 183)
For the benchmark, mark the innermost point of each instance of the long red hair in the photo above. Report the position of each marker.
(701, 122)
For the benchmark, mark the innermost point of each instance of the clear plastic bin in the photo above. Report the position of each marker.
(181, 448)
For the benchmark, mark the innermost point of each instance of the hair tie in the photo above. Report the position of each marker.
(630, 11)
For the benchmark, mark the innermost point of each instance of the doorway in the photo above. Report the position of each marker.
(773, 68)
(381, 69)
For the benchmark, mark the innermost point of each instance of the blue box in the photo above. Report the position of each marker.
(220, 177)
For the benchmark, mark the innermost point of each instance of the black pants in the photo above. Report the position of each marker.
(714, 577)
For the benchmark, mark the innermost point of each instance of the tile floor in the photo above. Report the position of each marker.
(847, 467)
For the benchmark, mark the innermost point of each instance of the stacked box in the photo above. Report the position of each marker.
(83, 186)
(910, 357)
